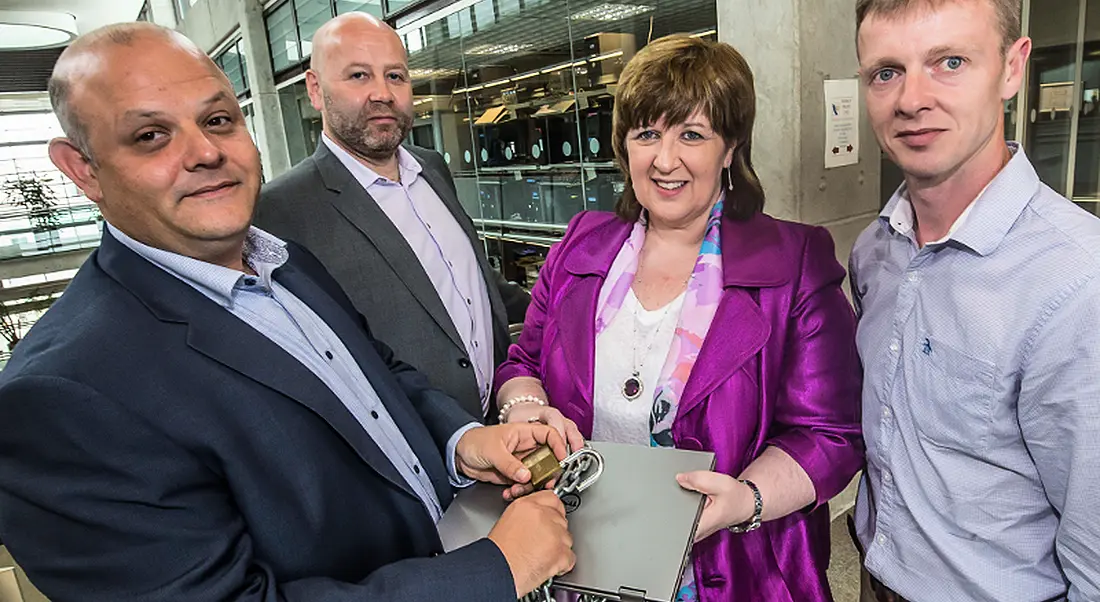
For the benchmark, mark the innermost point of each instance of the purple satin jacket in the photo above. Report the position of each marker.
(778, 368)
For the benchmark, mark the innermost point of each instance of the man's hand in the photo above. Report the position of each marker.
(488, 453)
(534, 537)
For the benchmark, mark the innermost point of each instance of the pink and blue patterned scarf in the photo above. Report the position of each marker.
(704, 291)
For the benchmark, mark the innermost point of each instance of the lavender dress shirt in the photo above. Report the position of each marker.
(443, 249)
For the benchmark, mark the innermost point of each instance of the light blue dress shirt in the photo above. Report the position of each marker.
(276, 313)
(981, 399)
(444, 251)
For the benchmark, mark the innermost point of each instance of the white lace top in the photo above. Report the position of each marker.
(615, 418)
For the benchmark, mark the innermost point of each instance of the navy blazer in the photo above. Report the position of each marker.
(155, 447)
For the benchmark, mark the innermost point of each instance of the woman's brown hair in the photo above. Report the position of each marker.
(674, 77)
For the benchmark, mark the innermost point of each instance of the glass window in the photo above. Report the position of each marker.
(373, 7)
(1086, 175)
(302, 121)
(70, 220)
(312, 14)
(517, 97)
(232, 63)
(393, 6)
(250, 121)
(1050, 90)
(244, 64)
(282, 36)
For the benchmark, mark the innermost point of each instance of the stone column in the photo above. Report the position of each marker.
(793, 46)
(162, 12)
(270, 128)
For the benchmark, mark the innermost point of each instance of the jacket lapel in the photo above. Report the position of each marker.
(751, 259)
(737, 333)
(359, 208)
(219, 335)
(588, 263)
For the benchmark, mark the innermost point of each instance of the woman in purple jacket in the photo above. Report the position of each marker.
(690, 319)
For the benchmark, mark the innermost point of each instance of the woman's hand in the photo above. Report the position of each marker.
(533, 412)
(729, 502)
(522, 386)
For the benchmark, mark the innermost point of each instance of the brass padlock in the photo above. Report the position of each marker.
(544, 466)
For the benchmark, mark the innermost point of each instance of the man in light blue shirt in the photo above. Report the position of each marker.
(978, 293)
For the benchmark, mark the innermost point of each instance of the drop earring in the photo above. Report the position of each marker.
(729, 177)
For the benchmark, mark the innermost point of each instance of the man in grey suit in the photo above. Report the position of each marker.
(385, 218)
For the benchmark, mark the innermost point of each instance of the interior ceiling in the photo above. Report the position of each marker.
(89, 14)
(542, 32)
(28, 70)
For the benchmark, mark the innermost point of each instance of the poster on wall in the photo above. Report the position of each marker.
(841, 122)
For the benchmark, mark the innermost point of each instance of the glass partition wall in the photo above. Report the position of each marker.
(515, 94)
(517, 97)
(1061, 124)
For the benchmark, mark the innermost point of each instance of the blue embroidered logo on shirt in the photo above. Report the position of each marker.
(926, 348)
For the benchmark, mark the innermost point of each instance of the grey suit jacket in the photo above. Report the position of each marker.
(320, 205)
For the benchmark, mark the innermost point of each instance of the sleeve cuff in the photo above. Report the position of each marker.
(458, 480)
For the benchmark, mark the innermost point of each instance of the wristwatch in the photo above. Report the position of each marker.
(757, 512)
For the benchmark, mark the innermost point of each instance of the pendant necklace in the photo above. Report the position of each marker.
(632, 387)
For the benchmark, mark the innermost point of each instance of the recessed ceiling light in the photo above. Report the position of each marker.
(487, 49)
(611, 12)
(26, 30)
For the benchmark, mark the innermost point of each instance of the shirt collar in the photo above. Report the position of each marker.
(407, 165)
(263, 252)
(988, 219)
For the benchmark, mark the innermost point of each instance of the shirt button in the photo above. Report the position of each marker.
(469, 302)
(886, 411)
(881, 539)
(886, 477)
(328, 354)
(476, 345)
(894, 347)
(416, 469)
(374, 414)
(250, 281)
(463, 362)
(913, 277)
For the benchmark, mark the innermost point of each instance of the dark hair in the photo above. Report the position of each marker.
(1008, 14)
(674, 77)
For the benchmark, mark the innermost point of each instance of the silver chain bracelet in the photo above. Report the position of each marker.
(757, 512)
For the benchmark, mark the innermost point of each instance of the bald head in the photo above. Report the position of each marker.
(347, 28)
(93, 53)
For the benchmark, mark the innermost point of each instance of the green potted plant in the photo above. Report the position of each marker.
(33, 194)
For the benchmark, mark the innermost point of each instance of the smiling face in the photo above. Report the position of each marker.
(174, 165)
(676, 170)
(936, 79)
(360, 84)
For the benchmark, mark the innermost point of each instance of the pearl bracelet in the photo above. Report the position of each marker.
(513, 402)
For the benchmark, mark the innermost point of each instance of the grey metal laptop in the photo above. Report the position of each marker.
(632, 530)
